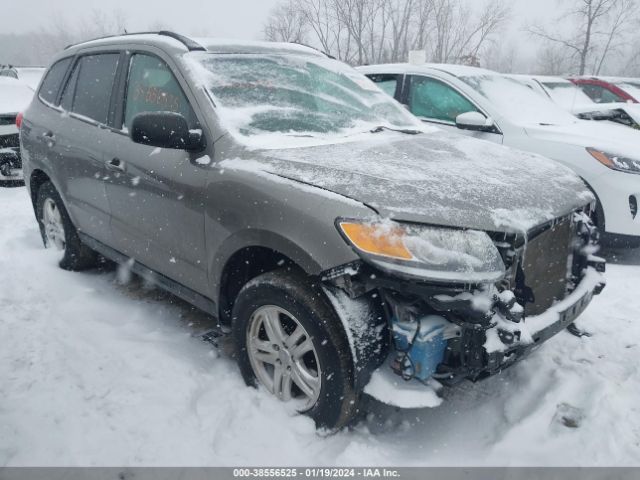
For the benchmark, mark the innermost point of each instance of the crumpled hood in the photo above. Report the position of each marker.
(437, 178)
(607, 137)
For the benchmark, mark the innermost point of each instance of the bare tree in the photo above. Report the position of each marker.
(502, 57)
(553, 60)
(366, 31)
(286, 23)
(594, 18)
(622, 14)
(461, 32)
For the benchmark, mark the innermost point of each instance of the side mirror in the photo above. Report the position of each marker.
(474, 121)
(164, 130)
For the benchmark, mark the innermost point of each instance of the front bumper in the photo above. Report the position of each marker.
(538, 329)
(617, 192)
(389, 388)
(444, 333)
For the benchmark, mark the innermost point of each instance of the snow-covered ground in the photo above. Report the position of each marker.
(93, 372)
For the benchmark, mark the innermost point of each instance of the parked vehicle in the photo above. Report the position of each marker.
(30, 76)
(491, 106)
(602, 90)
(571, 98)
(14, 97)
(338, 238)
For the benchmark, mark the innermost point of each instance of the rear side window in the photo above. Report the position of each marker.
(88, 92)
(152, 87)
(53, 80)
(600, 94)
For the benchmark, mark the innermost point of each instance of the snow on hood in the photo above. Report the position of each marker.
(607, 137)
(438, 178)
(14, 95)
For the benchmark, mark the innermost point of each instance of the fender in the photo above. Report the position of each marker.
(258, 238)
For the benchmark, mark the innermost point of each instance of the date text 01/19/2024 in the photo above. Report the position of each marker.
(316, 472)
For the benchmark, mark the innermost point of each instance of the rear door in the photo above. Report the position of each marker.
(80, 138)
(157, 195)
(438, 102)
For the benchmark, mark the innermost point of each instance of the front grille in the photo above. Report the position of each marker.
(545, 266)
(10, 141)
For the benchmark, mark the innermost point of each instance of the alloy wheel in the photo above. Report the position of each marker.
(283, 356)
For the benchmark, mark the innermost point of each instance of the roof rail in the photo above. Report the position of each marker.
(316, 49)
(186, 41)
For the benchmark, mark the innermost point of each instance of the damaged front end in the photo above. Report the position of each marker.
(443, 330)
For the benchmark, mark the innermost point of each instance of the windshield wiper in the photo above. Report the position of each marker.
(408, 131)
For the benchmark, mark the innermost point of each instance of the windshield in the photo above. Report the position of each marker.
(295, 94)
(566, 94)
(517, 102)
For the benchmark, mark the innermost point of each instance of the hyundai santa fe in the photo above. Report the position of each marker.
(348, 249)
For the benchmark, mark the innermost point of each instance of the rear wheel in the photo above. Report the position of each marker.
(289, 340)
(59, 233)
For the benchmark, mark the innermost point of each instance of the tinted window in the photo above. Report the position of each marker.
(66, 101)
(600, 94)
(93, 84)
(387, 83)
(153, 88)
(431, 98)
(53, 80)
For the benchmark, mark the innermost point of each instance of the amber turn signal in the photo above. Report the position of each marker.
(377, 239)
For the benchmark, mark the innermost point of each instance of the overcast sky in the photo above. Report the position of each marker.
(222, 18)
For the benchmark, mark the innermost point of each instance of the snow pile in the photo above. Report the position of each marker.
(93, 373)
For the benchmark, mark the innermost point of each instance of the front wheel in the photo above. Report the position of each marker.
(59, 233)
(290, 341)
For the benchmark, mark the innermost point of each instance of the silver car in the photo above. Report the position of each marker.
(347, 248)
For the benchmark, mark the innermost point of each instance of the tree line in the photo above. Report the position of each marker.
(582, 37)
(597, 36)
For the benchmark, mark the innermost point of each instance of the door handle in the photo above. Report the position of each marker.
(116, 165)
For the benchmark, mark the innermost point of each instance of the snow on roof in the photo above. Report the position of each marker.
(223, 45)
(455, 70)
(539, 78)
(213, 45)
(130, 38)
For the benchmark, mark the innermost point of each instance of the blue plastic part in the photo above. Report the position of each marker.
(427, 350)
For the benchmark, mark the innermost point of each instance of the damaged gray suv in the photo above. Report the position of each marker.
(348, 249)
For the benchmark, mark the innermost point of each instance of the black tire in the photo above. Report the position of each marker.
(76, 256)
(337, 403)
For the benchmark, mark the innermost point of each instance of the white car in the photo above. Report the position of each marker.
(573, 99)
(14, 97)
(491, 106)
(30, 76)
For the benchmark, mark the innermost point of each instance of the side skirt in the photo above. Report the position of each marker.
(194, 298)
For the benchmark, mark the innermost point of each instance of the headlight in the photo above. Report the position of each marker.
(616, 162)
(430, 253)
